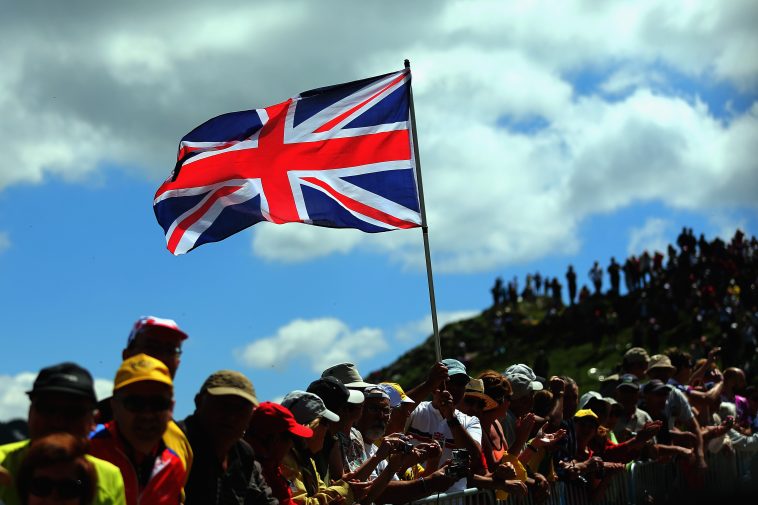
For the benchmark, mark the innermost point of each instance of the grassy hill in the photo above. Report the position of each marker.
(583, 341)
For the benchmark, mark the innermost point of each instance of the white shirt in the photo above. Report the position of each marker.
(427, 424)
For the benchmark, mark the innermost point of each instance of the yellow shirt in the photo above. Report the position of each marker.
(293, 473)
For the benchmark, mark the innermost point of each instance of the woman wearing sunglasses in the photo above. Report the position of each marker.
(56, 471)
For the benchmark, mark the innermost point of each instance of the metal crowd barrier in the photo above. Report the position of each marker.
(642, 483)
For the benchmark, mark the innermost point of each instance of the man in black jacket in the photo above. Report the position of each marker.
(224, 471)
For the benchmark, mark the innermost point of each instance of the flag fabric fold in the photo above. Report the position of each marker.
(339, 157)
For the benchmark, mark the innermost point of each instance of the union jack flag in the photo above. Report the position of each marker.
(339, 156)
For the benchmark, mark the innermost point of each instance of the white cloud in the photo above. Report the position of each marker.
(655, 235)
(415, 331)
(321, 342)
(5, 241)
(14, 403)
(293, 242)
(496, 194)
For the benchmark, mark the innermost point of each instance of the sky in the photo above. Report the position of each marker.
(549, 133)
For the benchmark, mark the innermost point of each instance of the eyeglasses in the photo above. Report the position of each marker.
(151, 347)
(70, 411)
(67, 489)
(138, 404)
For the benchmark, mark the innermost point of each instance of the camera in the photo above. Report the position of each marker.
(458, 468)
(406, 448)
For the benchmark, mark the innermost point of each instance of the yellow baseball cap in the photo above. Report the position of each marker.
(141, 367)
(586, 413)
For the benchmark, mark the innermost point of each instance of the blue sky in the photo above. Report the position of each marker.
(576, 138)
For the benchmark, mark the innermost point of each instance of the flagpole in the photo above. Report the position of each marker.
(424, 227)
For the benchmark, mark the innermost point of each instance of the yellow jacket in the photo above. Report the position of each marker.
(315, 492)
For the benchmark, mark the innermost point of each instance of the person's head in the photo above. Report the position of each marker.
(570, 396)
(628, 393)
(682, 363)
(376, 414)
(635, 361)
(157, 337)
(347, 374)
(522, 399)
(475, 400)
(62, 400)
(656, 392)
(399, 401)
(543, 403)
(734, 378)
(346, 403)
(497, 387)
(143, 400)
(309, 410)
(586, 424)
(602, 409)
(457, 379)
(660, 368)
(55, 471)
(273, 429)
(223, 407)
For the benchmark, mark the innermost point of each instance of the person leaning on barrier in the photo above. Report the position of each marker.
(298, 467)
(272, 433)
(677, 408)
(56, 470)
(142, 403)
(225, 471)
(161, 339)
(62, 401)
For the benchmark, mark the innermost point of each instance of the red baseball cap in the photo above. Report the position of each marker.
(269, 418)
(155, 325)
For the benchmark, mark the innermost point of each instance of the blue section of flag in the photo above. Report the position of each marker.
(315, 100)
(398, 186)
(166, 211)
(392, 109)
(233, 219)
(324, 211)
(231, 126)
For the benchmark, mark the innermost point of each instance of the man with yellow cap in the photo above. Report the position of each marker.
(142, 403)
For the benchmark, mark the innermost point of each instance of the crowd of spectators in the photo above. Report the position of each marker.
(698, 294)
(342, 440)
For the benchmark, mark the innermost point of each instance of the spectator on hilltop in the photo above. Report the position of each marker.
(62, 401)
(596, 276)
(142, 403)
(615, 276)
(225, 471)
(571, 283)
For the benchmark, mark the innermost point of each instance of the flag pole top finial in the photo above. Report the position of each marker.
(407, 63)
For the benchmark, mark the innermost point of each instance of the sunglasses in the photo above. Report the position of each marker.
(151, 347)
(74, 411)
(66, 489)
(138, 404)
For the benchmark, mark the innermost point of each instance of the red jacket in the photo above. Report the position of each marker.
(167, 476)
